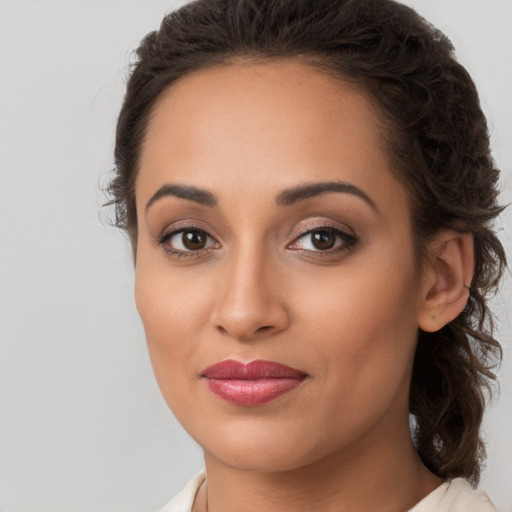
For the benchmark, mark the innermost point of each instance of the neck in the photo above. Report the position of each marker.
(384, 474)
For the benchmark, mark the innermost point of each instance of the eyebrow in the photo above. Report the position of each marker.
(287, 197)
(184, 192)
(307, 190)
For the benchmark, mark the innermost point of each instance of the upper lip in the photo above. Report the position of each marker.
(253, 370)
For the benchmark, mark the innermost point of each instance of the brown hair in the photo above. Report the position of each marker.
(437, 139)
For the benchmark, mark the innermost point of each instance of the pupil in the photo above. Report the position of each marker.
(194, 240)
(324, 239)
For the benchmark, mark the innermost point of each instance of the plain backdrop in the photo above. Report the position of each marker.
(82, 425)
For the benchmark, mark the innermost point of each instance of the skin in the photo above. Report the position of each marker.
(348, 317)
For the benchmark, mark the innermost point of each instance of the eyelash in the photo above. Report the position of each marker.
(178, 253)
(348, 241)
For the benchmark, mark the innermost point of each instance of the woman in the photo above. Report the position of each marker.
(308, 188)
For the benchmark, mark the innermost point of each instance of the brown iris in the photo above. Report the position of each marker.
(194, 239)
(323, 239)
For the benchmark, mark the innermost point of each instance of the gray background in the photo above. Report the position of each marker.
(82, 424)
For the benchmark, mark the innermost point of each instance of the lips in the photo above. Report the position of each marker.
(251, 384)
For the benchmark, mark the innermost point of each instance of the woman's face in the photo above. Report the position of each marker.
(271, 229)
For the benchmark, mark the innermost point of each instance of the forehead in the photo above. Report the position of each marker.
(263, 124)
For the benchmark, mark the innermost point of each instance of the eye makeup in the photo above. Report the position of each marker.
(314, 239)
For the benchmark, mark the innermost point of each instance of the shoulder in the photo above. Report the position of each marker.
(455, 496)
(183, 501)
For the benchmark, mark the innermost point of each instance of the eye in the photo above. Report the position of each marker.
(324, 239)
(187, 241)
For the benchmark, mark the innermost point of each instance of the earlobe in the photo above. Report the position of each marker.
(447, 277)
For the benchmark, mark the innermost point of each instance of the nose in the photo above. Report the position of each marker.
(250, 301)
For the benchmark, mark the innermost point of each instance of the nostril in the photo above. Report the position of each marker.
(245, 336)
(264, 328)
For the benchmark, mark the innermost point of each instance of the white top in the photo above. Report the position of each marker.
(453, 496)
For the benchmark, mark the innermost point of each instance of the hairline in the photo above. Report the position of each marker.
(324, 65)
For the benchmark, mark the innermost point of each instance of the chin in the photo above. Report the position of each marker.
(258, 459)
(261, 450)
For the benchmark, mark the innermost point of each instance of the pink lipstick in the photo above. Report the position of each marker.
(251, 384)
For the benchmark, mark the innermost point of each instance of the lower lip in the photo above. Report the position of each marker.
(252, 392)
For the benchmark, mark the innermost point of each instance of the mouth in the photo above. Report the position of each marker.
(251, 384)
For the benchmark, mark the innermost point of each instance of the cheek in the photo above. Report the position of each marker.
(173, 313)
(364, 329)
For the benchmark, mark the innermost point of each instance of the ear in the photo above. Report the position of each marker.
(447, 276)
